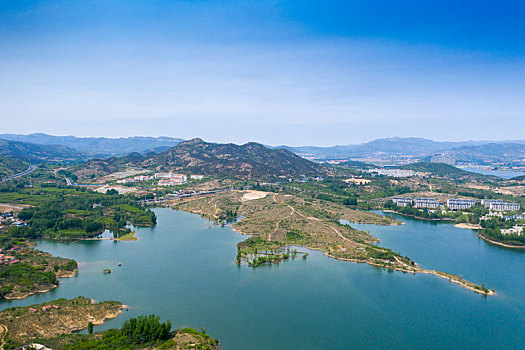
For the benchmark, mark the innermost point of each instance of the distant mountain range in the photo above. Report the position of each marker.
(83, 148)
(99, 146)
(251, 160)
(34, 153)
(481, 152)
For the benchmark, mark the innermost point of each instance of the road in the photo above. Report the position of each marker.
(25, 172)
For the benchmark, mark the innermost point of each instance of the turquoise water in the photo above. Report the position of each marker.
(183, 270)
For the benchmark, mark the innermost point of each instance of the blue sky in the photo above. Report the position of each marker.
(277, 72)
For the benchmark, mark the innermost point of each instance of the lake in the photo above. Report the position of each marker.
(505, 174)
(183, 270)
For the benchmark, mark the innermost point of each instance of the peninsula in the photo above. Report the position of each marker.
(277, 221)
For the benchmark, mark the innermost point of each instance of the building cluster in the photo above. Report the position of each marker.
(515, 217)
(395, 172)
(443, 158)
(9, 219)
(499, 205)
(44, 308)
(429, 203)
(165, 179)
(6, 259)
(138, 178)
(515, 230)
(402, 201)
(170, 179)
(494, 205)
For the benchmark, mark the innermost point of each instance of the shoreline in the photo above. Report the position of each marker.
(415, 216)
(31, 293)
(67, 275)
(500, 244)
(452, 278)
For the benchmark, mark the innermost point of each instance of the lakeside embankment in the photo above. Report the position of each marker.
(415, 216)
(499, 243)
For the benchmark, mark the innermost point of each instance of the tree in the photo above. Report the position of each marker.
(90, 328)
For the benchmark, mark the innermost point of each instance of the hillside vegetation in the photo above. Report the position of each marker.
(11, 165)
(73, 213)
(34, 153)
(251, 160)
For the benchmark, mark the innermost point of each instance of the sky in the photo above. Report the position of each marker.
(277, 72)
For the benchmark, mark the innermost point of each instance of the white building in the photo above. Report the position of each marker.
(426, 203)
(443, 158)
(180, 178)
(143, 178)
(126, 181)
(162, 175)
(503, 206)
(487, 202)
(516, 230)
(460, 204)
(196, 177)
(169, 182)
(402, 201)
(395, 172)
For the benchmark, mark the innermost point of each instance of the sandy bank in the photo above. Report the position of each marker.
(468, 226)
(501, 244)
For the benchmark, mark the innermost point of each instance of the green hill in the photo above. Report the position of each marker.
(251, 160)
(10, 166)
(519, 178)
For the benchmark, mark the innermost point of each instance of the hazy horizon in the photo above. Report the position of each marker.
(272, 145)
(290, 72)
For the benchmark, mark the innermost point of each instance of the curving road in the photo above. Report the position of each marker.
(25, 172)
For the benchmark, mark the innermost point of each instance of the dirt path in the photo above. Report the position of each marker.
(4, 333)
(216, 207)
(278, 222)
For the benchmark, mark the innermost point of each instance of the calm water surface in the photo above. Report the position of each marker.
(183, 270)
(505, 174)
